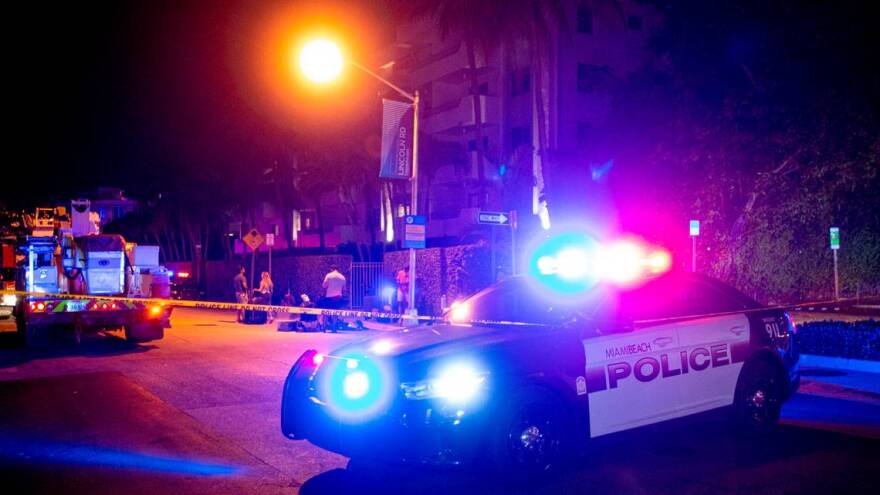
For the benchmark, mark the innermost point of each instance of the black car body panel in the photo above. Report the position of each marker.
(608, 375)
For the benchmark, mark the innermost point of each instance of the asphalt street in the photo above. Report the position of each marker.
(197, 412)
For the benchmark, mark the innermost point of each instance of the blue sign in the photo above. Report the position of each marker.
(397, 126)
(414, 232)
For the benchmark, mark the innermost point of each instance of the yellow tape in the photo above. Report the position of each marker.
(228, 306)
(351, 313)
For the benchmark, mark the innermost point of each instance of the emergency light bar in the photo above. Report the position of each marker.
(620, 262)
(574, 262)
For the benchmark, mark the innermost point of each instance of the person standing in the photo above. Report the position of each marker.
(334, 285)
(239, 284)
(266, 289)
(402, 279)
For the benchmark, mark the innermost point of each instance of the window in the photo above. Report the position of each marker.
(511, 300)
(425, 97)
(590, 77)
(472, 144)
(674, 296)
(583, 134)
(309, 220)
(520, 136)
(520, 81)
(634, 22)
(584, 20)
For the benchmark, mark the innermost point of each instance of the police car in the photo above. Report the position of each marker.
(525, 381)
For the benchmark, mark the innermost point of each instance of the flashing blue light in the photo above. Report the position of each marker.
(563, 263)
(388, 292)
(502, 170)
(170, 273)
(356, 387)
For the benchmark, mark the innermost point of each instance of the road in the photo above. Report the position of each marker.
(197, 412)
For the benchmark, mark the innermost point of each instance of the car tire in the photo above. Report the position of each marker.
(759, 397)
(531, 438)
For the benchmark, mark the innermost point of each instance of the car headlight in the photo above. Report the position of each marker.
(458, 383)
(9, 299)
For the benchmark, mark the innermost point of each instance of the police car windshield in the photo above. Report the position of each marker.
(669, 296)
(514, 300)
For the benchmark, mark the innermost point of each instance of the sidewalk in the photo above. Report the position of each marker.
(851, 385)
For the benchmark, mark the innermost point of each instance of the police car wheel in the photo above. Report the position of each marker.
(531, 440)
(759, 398)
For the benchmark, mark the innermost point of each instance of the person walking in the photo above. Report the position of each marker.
(402, 279)
(334, 285)
(266, 289)
(239, 285)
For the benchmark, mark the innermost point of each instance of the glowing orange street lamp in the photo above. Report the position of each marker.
(321, 61)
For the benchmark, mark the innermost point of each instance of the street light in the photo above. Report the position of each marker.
(321, 61)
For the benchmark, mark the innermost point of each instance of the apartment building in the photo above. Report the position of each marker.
(601, 42)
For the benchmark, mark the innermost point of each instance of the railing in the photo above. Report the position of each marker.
(366, 278)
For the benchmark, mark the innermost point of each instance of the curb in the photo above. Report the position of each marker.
(839, 363)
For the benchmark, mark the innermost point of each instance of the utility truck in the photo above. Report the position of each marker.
(72, 280)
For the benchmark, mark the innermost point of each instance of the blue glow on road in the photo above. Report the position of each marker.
(42, 451)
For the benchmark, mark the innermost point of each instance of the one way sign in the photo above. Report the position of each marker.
(493, 218)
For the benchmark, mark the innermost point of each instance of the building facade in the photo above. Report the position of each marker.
(535, 118)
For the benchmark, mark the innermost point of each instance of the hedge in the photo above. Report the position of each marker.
(852, 340)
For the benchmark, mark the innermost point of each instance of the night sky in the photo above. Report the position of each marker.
(149, 95)
(154, 95)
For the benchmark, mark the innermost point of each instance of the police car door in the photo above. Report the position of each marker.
(631, 373)
(716, 346)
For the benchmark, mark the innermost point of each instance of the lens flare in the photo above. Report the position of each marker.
(460, 313)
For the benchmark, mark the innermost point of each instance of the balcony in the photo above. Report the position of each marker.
(456, 119)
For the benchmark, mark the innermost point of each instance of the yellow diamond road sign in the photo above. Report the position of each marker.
(253, 239)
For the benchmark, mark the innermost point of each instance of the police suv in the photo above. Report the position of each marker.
(528, 380)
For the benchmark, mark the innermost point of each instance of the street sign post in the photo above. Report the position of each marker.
(414, 232)
(270, 241)
(834, 239)
(695, 232)
(500, 219)
(493, 218)
(254, 240)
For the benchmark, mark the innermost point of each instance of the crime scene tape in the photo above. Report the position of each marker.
(353, 313)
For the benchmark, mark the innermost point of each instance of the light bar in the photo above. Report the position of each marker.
(574, 263)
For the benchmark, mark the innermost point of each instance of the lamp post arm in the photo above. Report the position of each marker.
(388, 83)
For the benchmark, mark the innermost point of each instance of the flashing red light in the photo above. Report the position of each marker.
(41, 306)
(155, 310)
(182, 274)
(317, 359)
(104, 306)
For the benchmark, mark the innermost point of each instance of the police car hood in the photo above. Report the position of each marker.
(437, 341)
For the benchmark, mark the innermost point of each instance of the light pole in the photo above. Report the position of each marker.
(321, 61)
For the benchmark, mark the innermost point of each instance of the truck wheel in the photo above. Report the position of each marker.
(20, 330)
(531, 438)
(35, 336)
(758, 400)
(144, 332)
